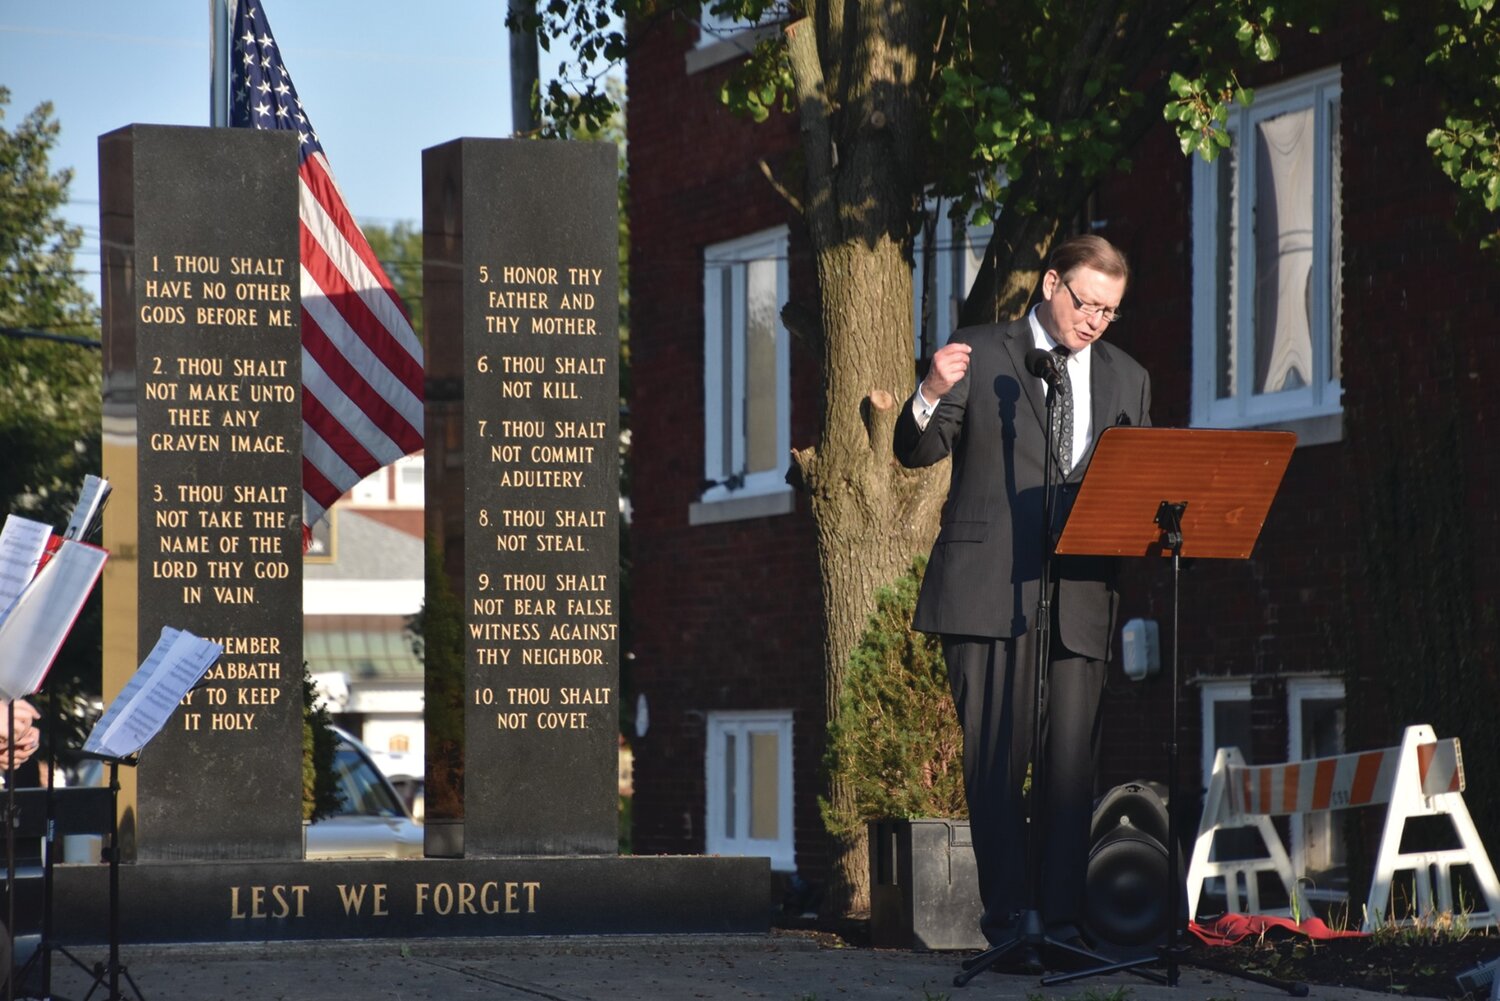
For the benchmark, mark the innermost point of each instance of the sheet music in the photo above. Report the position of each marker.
(22, 542)
(34, 629)
(174, 665)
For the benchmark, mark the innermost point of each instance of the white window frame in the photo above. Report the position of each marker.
(372, 491)
(718, 467)
(722, 39)
(1299, 690)
(409, 473)
(959, 255)
(782, 850)
(1214, 691)
(1314, 410)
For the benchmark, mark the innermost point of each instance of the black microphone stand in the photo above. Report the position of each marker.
(1030, 936)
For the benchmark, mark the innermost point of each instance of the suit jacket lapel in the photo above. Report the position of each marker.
(1018, 342)
(1103, 383)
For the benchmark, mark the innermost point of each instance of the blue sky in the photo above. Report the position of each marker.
(381, 80)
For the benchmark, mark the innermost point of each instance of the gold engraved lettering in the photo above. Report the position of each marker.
(561, 721)
(268, 267)
(255, 368)
(571, 365)
(580, 582)
(444, 899)
(584, 696)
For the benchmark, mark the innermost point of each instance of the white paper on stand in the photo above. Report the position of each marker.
(34, 628)
(157, 688)
(22, 542)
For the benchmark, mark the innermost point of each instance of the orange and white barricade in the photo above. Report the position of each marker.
(1422, 778)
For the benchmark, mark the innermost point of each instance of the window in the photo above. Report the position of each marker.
(1226, 720)
(1315, 729)
(957, 254)
(722, 37)
(746, 361)
(410, 473)
(372, 491)
(749, 810)
(1267, 268)
(1226, 723)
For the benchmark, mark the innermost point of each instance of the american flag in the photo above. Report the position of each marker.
(361, 362)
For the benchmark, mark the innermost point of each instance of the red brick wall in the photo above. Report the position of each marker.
(726, 616)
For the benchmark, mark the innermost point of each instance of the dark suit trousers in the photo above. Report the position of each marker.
(992, 682)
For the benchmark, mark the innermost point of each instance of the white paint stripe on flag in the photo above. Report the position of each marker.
(349, 264)
(344, 410)
(357, 353)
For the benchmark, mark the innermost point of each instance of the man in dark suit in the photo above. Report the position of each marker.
(979, 404)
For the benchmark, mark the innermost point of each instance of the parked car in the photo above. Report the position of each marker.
(372, 820)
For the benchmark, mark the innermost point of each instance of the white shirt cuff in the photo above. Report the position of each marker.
(921, 409)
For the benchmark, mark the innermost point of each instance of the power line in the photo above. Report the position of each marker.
(46, 335)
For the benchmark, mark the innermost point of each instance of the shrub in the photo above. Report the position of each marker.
(896, 738)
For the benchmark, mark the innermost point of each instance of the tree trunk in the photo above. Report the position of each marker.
(872, 515)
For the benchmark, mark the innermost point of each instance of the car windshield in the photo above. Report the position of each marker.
(361, 791)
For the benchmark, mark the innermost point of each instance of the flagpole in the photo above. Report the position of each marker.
(221, 16)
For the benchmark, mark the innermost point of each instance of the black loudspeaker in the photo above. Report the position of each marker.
(1126, 908)
(1135, 804)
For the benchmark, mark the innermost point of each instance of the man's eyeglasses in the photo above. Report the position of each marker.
(1104, 312)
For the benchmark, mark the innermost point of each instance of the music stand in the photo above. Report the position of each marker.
(1194, 493)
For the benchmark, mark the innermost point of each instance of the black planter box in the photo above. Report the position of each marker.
(924, 890)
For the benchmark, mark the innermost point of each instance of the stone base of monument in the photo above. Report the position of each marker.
(231, 901)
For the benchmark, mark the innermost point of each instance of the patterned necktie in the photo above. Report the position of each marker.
(1062, 413)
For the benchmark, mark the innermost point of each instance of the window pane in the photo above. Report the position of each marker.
(727, 394)
(765, 821)
(760, 366)
(1232, 726)
(1285, 157)
(731, 788)
(1323, 737)
(1226, 276)
(1336, 242)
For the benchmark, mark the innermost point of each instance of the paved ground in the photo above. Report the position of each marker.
(781, 966)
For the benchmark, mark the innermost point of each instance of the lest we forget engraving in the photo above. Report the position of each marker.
(203, 437)
(521, 243)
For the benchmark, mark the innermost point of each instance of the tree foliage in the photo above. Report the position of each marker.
(1466, 60)
(49, 388)
(49, 397)
(896, 736)
(398, 248)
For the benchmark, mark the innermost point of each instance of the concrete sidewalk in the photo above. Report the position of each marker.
(784, 966)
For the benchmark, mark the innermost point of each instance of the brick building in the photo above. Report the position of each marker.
(1372, 308)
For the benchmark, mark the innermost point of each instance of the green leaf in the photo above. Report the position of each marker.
(1266, 48)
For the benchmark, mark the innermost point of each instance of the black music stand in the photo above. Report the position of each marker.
(48, 813)
(1194, 493)
(108, 974)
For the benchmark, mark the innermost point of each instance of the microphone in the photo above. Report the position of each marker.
(1043, 365)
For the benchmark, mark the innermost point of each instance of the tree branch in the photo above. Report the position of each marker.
(880, 421)
(817, 135)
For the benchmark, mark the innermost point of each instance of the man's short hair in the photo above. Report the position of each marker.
(1089, 251)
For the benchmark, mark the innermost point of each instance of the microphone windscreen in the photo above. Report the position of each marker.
(1039, 363)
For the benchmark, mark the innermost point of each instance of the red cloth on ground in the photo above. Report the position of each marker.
(1231, 928)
